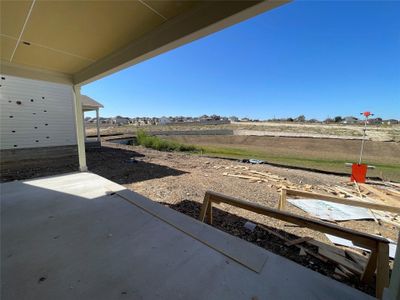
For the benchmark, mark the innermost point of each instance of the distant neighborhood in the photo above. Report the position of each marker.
(216, 120)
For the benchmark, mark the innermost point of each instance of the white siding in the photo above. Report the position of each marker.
(45, 116)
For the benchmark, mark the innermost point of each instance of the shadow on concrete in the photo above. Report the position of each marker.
(235, 225)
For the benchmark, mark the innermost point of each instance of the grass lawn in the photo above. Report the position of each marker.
(318, 160)
(388, 171)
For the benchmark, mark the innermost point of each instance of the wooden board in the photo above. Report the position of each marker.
(379, 193)
(333, 249)
(359, 259)
(341, 260)
(361, 239)
(298, 241)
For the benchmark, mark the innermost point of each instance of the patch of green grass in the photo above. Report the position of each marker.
(389, 172)
(154, 142)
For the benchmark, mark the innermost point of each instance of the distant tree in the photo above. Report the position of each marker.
(289, 119)
(329, 120)
(338, 119)
(301, 118)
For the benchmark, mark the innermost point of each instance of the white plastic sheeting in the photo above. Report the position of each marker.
(344, 242)
(331, 211)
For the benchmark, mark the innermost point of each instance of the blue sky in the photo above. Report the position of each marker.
(317, 58)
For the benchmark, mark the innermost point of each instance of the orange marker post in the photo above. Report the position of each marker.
(359, 171)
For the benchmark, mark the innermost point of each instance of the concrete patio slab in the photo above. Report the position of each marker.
(81, 236)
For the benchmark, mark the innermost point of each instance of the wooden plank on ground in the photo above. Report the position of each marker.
(341, 273)
(302, 249)
(345, 271)
(247, 177)
(298, 241)
(334, 249)
(378, 193)
(393, 191)
(267, 175)
(352, 266)
(359, 259)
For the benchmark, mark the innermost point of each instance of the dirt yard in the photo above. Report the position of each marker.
(339, 131)
(180, 181)
(296, 145)
(322, 154)
(329, 149)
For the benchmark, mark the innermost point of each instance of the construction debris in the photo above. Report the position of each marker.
(250, 225)
(388, 193)
(347, 243)
(298, 241)
(303, 250)
(349, 263)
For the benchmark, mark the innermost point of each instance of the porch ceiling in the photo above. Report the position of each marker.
(85, 40)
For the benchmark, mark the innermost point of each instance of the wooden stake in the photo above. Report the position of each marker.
(382, 269)
(370, 268)
(204, 207)
(209, 213)
(282, 199)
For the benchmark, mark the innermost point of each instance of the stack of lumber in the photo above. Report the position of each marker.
(263, 177)
(387, 193)
(348, 262)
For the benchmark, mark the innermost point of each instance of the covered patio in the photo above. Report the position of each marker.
(81, 236)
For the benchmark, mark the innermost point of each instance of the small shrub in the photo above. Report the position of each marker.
(157, 143)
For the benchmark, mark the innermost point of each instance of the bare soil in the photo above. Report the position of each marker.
(374, 132)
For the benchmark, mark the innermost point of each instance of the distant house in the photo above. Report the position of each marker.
(391, 121)
(105, 120)
(329, 120)
(313, 121)
(234, 119)
(89, 104)
(120, 120)
(164, 121)
(349, 120)
(375, 121)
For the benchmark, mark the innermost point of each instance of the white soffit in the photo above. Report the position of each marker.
(81, 41)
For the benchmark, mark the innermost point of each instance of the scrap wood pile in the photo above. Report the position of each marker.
(348, 262)
(378, 201)
(387, 193)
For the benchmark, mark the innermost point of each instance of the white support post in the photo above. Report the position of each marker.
(80, 135)
(84, 126)
(98, 124)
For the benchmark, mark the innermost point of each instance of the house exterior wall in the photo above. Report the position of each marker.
(35, 114)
